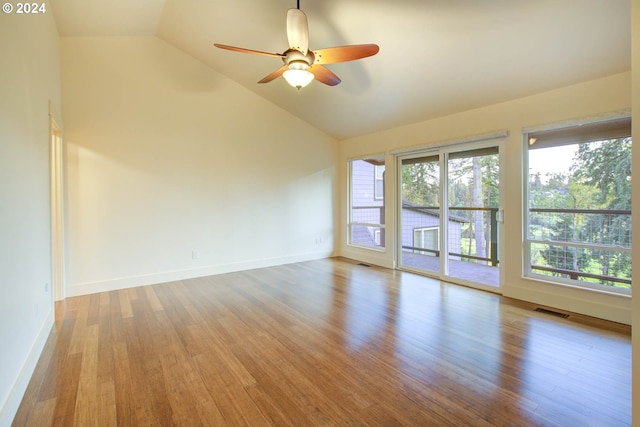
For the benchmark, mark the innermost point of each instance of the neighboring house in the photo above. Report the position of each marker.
(420, 226)
(421, 229)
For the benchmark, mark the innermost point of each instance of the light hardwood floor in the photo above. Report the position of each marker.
(329, 343)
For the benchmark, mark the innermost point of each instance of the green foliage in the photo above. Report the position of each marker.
(606, 165)
(421, 183)
(490, 180)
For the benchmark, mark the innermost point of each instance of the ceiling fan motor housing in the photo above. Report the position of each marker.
(295, 56)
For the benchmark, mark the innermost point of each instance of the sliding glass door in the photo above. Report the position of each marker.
(449, 214)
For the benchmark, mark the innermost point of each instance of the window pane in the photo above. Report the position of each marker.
(366, 225)
(579, 202)
(420, 216)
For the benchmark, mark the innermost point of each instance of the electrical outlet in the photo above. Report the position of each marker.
(46, 288)
(195, 254)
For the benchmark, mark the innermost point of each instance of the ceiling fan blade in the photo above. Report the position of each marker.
(298, 30)
(243, 50)
(333, 55)
(324, 75)
(277, 73)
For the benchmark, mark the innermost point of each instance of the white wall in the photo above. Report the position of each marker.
(635, 66)
(30, 79)
(583, 100)
(166, 156)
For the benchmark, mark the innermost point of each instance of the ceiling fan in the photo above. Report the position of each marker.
(301, 65)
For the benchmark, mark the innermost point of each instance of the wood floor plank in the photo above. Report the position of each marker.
(325, 342)
(67, 391)
(124, 387)
(180, 393)
(106, 414)
(152, 298)
(210, 415)
(87, 399)
(93, 310)
(125, 304)
(42, 413)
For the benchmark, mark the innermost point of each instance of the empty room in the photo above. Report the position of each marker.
(305, 212)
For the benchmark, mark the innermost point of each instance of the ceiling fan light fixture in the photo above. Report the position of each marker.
(298, 74)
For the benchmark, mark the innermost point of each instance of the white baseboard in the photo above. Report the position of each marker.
(11, 405)
(171, 276)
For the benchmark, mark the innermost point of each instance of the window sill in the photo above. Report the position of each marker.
(624, 293)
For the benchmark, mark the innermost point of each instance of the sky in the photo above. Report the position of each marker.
(551, 160)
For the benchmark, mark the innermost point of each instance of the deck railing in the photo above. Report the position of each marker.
(546, 233)
(369, 217)
(493, 252)
(603, 237)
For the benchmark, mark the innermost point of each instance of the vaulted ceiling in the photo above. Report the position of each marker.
(437, 57)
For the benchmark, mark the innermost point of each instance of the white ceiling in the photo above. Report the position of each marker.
(437, 57)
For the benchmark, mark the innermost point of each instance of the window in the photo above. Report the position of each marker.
(366, 202)
(578, 213)
(377, 236)
(426, 238)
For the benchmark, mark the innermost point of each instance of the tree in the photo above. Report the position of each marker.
(420, 183)
(568, 193)
(606, 167)
(477, 202)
